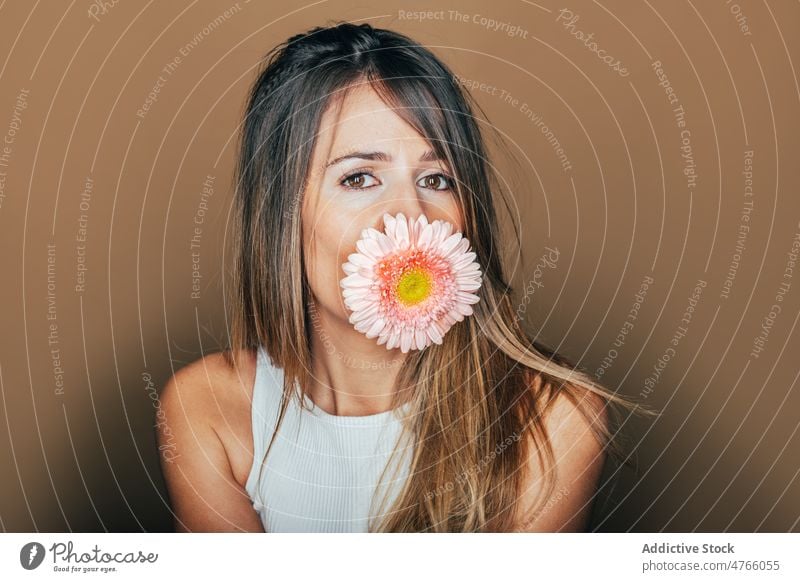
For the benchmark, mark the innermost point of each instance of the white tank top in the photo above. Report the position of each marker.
(323, 469)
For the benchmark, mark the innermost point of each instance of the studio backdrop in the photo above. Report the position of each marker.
(651, 149)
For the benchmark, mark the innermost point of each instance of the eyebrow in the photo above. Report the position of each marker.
(428, 156)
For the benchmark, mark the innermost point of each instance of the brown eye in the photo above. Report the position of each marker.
(436, 182)
(356, 181)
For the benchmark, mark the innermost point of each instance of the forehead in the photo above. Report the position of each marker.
(361, 117)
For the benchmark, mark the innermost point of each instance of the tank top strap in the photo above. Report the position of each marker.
(265, 406)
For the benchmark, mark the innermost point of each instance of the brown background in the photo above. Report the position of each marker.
(724, 455)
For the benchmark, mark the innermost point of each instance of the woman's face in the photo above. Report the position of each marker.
(367, 161)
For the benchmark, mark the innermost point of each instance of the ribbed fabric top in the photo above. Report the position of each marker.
(323, 469)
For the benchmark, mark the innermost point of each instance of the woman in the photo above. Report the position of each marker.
(308, 424)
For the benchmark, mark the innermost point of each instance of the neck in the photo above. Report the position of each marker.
(351, 374)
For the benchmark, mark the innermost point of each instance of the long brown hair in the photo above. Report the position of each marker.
(488, 385)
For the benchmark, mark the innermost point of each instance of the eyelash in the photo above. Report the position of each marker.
(366, 171)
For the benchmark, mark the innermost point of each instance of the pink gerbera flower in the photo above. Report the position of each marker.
(409, 284)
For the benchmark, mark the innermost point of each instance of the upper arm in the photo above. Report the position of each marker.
(578, 457)
(203, 492)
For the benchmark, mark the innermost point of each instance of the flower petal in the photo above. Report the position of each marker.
(421, 338)
(447, 228)
(356, 280)
(470, 269)
(433, 333)
(460, 249)
(401, 232)
(462, 262)
(360, 260)
(376, 328)
(470, 298)
(437, 231)
(449, 244)
(387, 244)
(469, 285)
(464, 308)
(370, 248)
(406, 337)
(419, 225)
(364, 308)
(389, 221)
(425, 237)
(353, 292)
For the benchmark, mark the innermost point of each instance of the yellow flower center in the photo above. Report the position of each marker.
(414, 286)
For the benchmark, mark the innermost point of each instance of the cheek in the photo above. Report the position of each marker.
(454, 214)
(325, 255)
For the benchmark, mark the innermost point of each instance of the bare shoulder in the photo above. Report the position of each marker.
(203, 386)
(213, 369)
(570, 423)
(210, 393)
(205, 439)
(578, 457)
